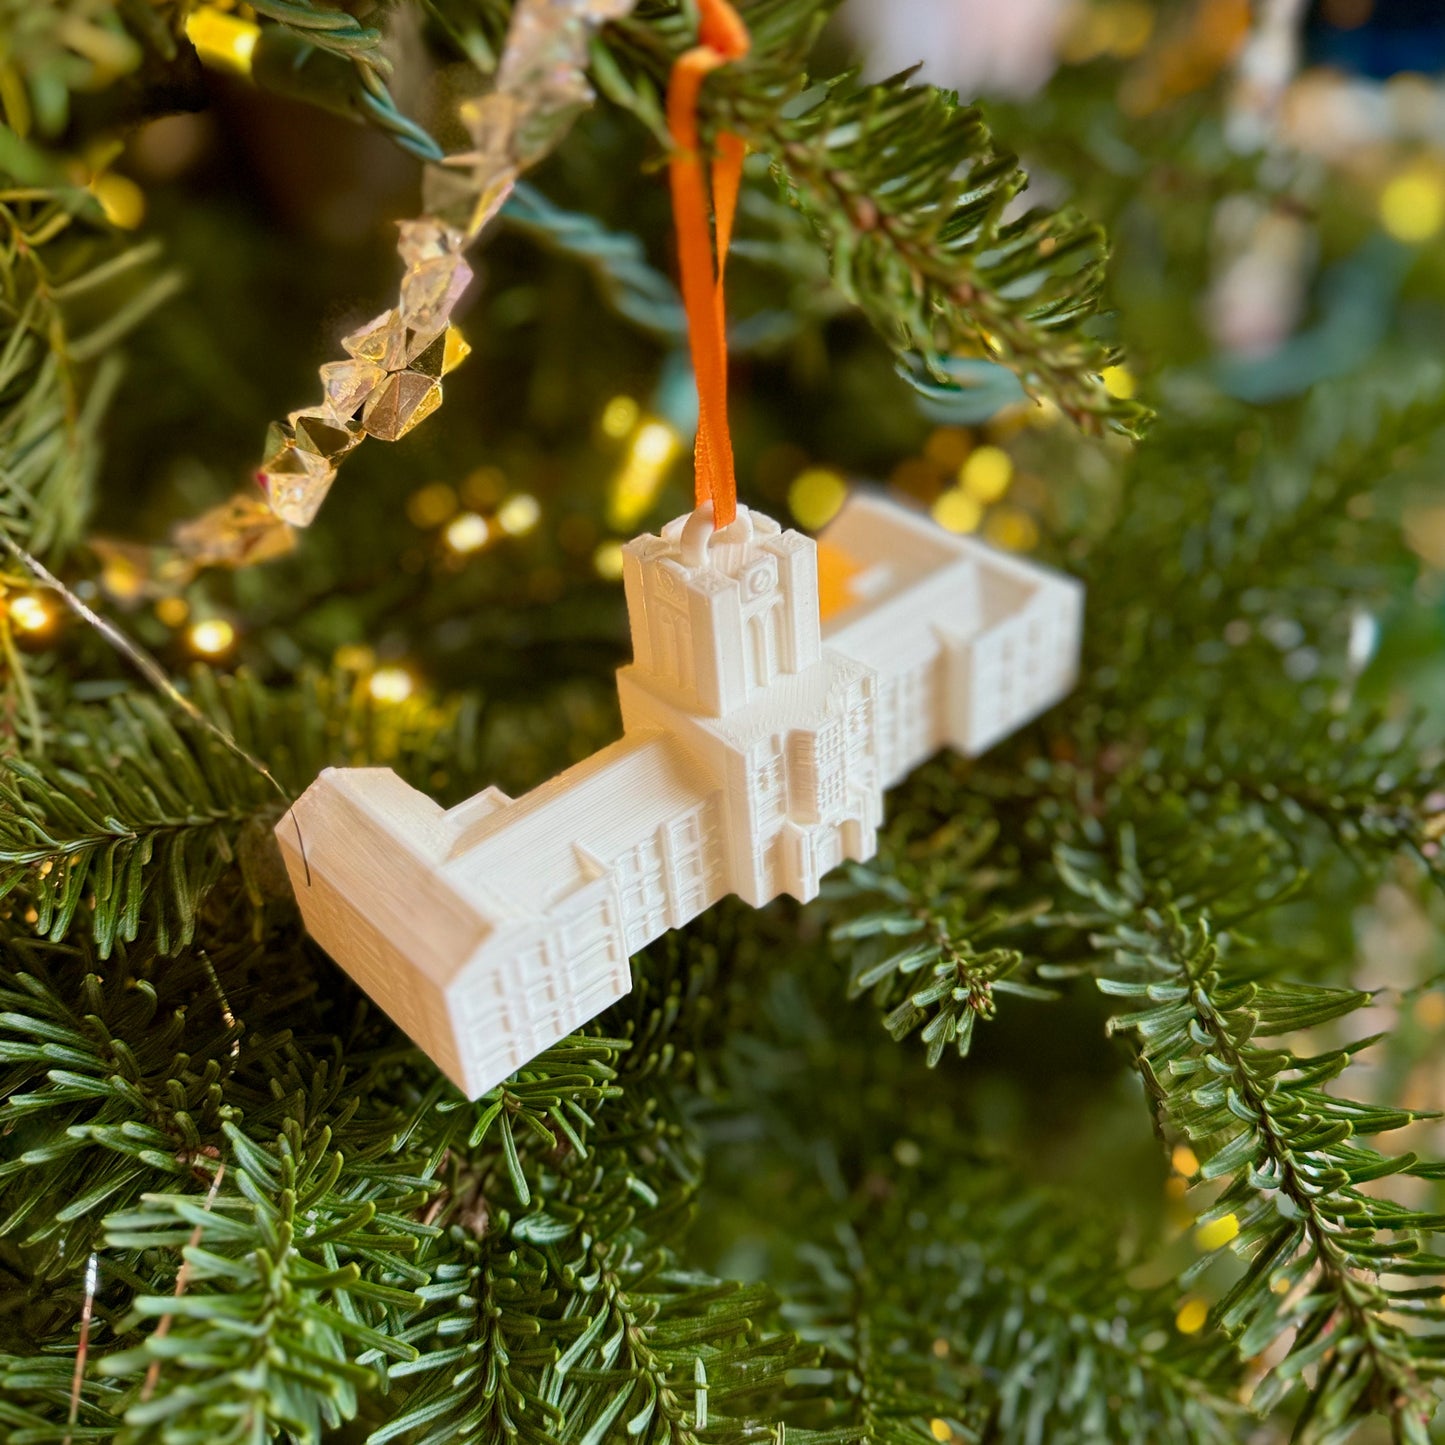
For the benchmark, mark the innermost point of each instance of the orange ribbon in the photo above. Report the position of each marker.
(723, 37)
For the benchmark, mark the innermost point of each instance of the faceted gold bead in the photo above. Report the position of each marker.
(431, 359)
(426, 239)
(348, 384)
(430, 290)
(296, 483)
(457, 350)
(237, 533)
(403, 400)
(319, 432)
(382, 341)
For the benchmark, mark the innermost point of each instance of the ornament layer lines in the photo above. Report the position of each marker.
(758, 742)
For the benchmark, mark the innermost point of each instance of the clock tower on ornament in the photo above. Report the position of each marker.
(758, 739)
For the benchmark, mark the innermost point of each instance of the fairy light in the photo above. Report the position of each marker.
(390, 684)
(1192, 1315)
(653, 449)
(619, 416)
(607, 560)
(1011, 529)
(941, 1430)
(431, 505)
(815, 497)
(956, 511)
(1118, 382)
(986, 473)
(1185, 1161)
(1412, 205)
(30, 613)
(172, 611)
(467, 532)
(211, 636)
(223, 42)
(353, 657)
(122, 201)
(519, 514)
(1216, 1233)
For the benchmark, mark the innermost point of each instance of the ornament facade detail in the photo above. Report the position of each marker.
(758, 741)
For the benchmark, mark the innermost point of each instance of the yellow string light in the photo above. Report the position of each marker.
(390, 684)
(1119, 382)
(654, 447)
(1191, 1316)
(619, 416)
(211, 637)
(223, 42)
(431, 505)
(1216, 1233)
(815, 497)
(467, 532)
(986, 474)
(172, 611)
(1412, 205)
(607, 560)
(519, 514)
(956, 511)
(30, 613)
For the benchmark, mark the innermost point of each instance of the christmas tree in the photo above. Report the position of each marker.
(1098, 1104)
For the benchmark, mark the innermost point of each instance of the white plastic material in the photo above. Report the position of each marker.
(757, 745)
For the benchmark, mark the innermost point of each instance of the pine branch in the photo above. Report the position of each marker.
(71, 47)
(290, 1289)
(976, 1297)
(147, 835)
(907, 190)
(923, 939)
(1322, 1252)
(68, 296)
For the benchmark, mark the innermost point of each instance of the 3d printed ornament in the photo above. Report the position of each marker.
(758, 740)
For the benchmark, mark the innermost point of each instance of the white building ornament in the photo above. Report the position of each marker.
(758, 740)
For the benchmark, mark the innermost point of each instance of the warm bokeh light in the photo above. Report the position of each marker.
(431, 505)
(948, 446)
(607, 559)
(986, 474)
(815, 497)
(1119, 381)
(390, 684)
(619, 416)
(30, 613)
(211, 636)
(1185, 1160)
(354, 657)
(654, 447)
(123, 202)
(519, 514)
(467, 532)
(1191, 1317)
(172, 611)
(956, 511)
(1219, 1231)
(1412, 205)
(224, 42)
(1011, 529)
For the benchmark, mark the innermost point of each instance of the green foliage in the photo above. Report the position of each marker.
(175, 810)
(53, 51)
(292, 1279)
(734, 1209)
(922, 957)
(921, 1322)
(1320, 1246)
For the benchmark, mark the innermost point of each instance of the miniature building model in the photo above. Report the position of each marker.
(757, 745)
